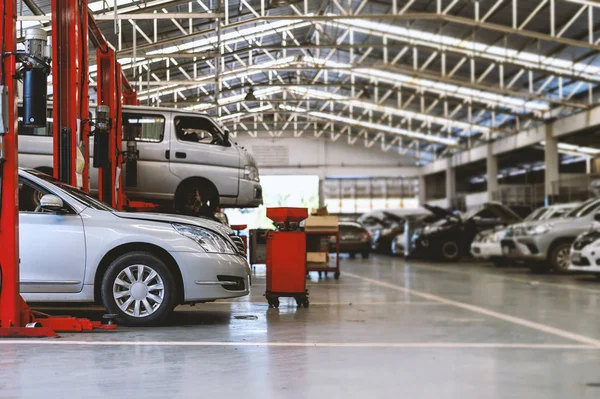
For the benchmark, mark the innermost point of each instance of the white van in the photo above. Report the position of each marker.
(183, 155)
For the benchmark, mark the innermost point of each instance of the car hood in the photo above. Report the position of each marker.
(168, 218)
(439, 212)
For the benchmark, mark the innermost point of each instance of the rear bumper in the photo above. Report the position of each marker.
(250, 194)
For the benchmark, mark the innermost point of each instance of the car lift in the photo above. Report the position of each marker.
(70, 100)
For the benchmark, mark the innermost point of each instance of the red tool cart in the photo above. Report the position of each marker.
(286, 257)
(319, 242)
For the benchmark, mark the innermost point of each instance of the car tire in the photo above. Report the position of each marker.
(365, 255)
(500, 262)
(352, 255)
(196, 197)
(139, 288)
(450, 251)
(559, 257)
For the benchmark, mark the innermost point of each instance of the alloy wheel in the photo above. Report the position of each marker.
(138, 290)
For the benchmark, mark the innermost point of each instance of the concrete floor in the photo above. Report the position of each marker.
(385, 329)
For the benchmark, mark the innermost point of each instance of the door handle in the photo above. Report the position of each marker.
(180, 155)
(168, 154)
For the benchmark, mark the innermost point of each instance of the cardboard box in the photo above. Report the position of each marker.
(316, 257)
(321, 223)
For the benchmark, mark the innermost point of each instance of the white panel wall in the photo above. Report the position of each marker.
(325, 158)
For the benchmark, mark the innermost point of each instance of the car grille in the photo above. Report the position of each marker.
(235, 283)
(239, 244)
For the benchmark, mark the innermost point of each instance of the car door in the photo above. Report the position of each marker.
(51, 246)
(199, 149)
(151, 132)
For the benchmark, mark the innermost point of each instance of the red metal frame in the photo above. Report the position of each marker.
(114, 90)
(15, 314)
(69, 81)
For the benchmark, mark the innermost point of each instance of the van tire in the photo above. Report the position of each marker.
(196, 197)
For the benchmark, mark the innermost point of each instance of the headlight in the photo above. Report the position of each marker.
(209, 241)
(539, 230)
(251, 173)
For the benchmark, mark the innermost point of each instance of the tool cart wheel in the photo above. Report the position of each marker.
(306, 303)
(273, 302)
(336, 275)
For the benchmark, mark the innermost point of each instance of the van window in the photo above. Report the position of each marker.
(197, 130)
(35, 131)
(144, 127)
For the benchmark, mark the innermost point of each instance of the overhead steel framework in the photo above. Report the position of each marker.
(423, 78)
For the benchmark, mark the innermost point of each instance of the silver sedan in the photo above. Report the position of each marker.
(140, 266)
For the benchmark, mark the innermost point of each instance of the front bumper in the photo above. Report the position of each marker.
(486, 250)
(523, 248)
(250, 194)
(586, 260)
(207, 277)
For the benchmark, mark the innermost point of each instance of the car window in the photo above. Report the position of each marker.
(584, 208)
(199, 130)
(75, 193)
(537, 214)
(558, 213)
(29, 196)
(148, 128)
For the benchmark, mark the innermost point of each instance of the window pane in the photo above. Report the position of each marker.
(196, 130)
(146, 128)
(29, 197)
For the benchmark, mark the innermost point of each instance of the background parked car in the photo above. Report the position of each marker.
(385, 225)
(546, 244)
(450, 238)
(585, 252)
(487, 244)
(354, 239)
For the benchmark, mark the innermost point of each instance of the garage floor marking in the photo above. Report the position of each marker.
(487, 312)
(399, 345)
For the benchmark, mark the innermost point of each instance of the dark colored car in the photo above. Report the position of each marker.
(450, 238)
(354, 239)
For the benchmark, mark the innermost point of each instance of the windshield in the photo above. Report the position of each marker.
(584, 208)
(536, 215)
(75, 193)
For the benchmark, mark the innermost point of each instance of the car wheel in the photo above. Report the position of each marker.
(560, 257)
(500, 262)
(450, 251)
(365, 255)
(139, 288)
(196, 198)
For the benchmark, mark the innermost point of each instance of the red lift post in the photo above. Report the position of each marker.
(70, 89)
(16, 317)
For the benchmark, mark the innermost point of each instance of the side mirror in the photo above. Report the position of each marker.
(51, 203)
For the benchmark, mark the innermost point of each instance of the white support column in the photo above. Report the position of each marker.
(422, 189)
(551, 161)
(450, 182)
(492, 173)
(321, 193)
